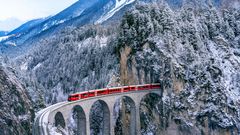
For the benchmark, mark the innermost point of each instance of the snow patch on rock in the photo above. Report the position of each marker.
(119, 5)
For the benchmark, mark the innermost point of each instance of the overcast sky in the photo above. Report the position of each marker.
(30, 9)
(13, 13)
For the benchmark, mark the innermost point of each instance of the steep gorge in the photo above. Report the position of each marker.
(194, 54)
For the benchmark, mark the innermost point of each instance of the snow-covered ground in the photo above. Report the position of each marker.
(119, 4)
(4, 38)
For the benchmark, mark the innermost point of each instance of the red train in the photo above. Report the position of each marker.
(107, 91)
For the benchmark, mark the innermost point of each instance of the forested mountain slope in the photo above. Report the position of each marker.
(194, 53)
(16, 113)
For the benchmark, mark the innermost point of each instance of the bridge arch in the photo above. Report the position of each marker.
(100, 118)
(59, 120)
(149, 113)
(128, 107)
(59, 114)
(77, 120)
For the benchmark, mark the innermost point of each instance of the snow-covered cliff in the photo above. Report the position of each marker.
(194, 54)
(16, 109)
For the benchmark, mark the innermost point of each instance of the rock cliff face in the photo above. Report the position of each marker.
(194, 54)
(16, 113)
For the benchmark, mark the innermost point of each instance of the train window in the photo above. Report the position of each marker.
(114, 90)
(84, 95)
(91, 94)
(141, 88)
(111, 91)
(75, 96)
(102, 92)
(131, 88)
(155, 86)
(126, 89)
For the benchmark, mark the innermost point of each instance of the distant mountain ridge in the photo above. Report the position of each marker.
(27, 26)
(80, 13)
(3, 33)
(10, 24)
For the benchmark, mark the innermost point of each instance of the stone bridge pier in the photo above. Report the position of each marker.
(61, 115)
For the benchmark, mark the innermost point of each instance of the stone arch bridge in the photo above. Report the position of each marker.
(51, 116)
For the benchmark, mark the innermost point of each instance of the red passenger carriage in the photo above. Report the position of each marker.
(101, 92)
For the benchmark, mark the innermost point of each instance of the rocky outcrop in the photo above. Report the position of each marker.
(16, 111)
(193, 54)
